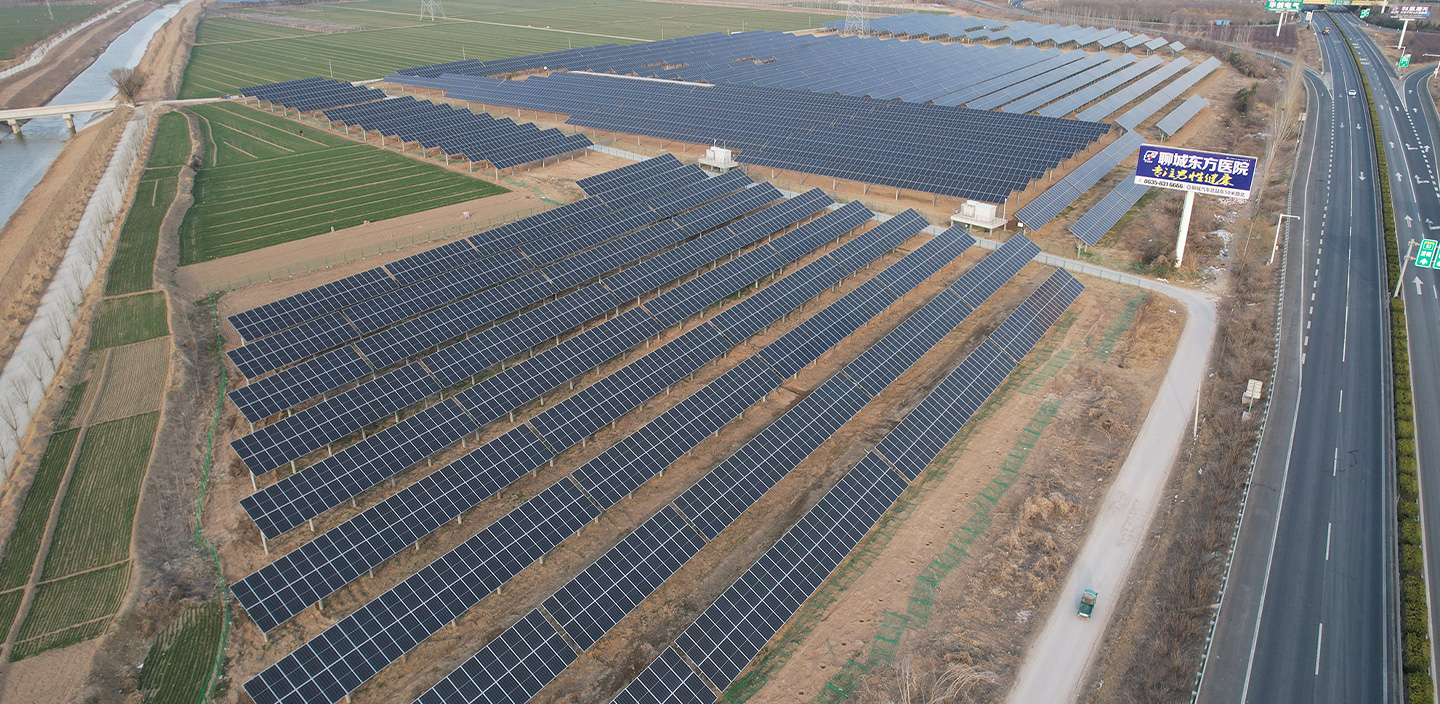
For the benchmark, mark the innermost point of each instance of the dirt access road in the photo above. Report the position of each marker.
(1055, 667)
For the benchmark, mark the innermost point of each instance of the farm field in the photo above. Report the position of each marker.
(24, 542)
(268, 180)
(99, 505)
(133, 267)
(22, 26)
(179, 663)
(122, 321)
(70, 610)
(233, 53)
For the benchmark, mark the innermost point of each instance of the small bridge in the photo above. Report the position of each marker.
(13, 117)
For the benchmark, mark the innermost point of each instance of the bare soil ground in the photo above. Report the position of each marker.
(55, 676)
(137, 381)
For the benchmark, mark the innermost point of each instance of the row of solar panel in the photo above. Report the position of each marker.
(278, 591)
(313, 93)
(1142, 112)
(1039, 212)
(345, 655)
(476, 292)
(316, 426)
(733, 630)
(502, 143)
(981, 155)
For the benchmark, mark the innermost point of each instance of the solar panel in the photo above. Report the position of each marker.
(291, 438)
(280, 590)
(292, 345)
(338, 478)
(430, 262)
(723, 640)
(1084, 96)
(1048, 205)
(359, 645)
(511, 668)
(1107, 107)
(292, 310)
(1141, 112)
(630, 173)
(1093, 225)
(1024, 327)
(667, 680)
(272, 394)
(596, 599)
(654, 187)
(1173, 122)
(982, 281)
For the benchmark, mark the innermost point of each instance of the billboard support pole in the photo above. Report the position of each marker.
(1184, 228)
(1403, 27)
(1279, 23)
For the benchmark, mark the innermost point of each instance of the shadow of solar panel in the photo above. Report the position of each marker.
(723, 640)
(315, 427)
(304, 495)
(350, 652)
(280, 590)
(511, 668)
(667, 680)
(596, 599)
(269, 395)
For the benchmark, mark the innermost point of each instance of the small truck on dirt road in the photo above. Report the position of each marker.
(1087, 603)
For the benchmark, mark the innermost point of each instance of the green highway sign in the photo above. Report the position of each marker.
(1426, 258)
(1364, 13)
(1404, 61)
(1283, 5)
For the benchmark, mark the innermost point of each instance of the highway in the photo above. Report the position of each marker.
(1309, 612)
(1408, 127)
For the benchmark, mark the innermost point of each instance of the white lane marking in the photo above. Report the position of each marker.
(1319, 641)
(1341, 408)
(1335, 466)
(1328, 526)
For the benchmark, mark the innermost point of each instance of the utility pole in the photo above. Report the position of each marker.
(1276, 245)
(1403, 261)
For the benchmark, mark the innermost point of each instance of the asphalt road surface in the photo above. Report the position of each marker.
(1408, 127)
(1309, 611)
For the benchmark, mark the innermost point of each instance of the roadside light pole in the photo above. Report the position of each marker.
(1274, 247)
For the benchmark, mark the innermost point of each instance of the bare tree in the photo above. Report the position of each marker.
(127, 82)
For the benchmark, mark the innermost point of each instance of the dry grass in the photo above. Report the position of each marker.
(930, 683)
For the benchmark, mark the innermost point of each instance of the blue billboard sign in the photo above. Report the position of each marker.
(1210, 173)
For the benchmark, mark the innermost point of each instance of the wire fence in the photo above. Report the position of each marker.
(353, 255)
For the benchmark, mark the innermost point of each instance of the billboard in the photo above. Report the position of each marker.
(1410, 12)
(1210, 173)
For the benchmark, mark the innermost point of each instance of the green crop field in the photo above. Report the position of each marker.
(172, 142)
(65, 419)
(99, 504)
(122, 321)
(71, 610)
(179, 663)
(9, 607)
(24, 543)
(265, 183)
(133, 267)
(22, 26)
(232, 53)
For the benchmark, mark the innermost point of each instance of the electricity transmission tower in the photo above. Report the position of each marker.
(856, 22)
(431, 8)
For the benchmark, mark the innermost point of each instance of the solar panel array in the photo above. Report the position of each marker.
(1056, 198)
(308, 94)
(922, 24)
(1090, 75)
(981, 155)
(272, 603)
(1097, 221)
(1173, 122)
(478, 137)
(733, 630)
(348, 653)
(596, 599)
(1142, 112)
